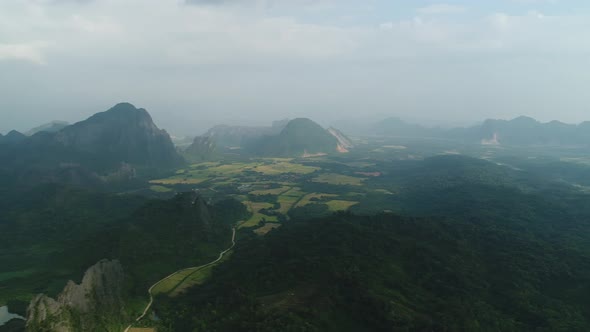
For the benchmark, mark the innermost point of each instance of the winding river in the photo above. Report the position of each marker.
(5, 315)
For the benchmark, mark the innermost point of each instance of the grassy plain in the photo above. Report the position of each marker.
(196, 277)
(285, 167)
(160, 189)
(289, 199)
(339, 179)
(282, 178)
(169, 284)
(307, 199)
(338, 205)
(274, 191)
(266, 228)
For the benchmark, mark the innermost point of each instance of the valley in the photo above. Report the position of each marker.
(231, 235)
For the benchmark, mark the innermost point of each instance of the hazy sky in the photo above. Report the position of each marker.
(196, 63)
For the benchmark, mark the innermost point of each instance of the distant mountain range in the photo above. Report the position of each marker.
(202, 148)
(235, 136)
(519, 131)
(111, 143)
(293, 138)
(123, 134)
(51, 127)
(300, 137)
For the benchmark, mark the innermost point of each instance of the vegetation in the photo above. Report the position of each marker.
(438, 236)
(339, 179)
(351, 273)
(299, 137)
(62, 231)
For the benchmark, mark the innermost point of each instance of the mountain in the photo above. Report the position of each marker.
(528, 131)
(300, 137)
(101, 291)
(522, 131)
(202, 148)
(390, 273)
(51, 127)
(122, 134)
(13, 137)
(397, 127)
(74, 228)
(238, 136)
(115, 145)
(344, 143)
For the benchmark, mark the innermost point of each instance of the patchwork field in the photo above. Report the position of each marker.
(169, 284)
(178, 180)
(278, 180)
(289, 199)
(307, 199)
(255, 208)
(285, 167)
(266, 228)
(339, 179)
(197, 277)
(338, 205)
(274, 191)
(160, 189)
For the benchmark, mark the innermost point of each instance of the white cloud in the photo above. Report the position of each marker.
(166, 32)
(441, 9)
(31, 52)
(243, 57)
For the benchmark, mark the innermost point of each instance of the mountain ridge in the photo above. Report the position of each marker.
(522, 130)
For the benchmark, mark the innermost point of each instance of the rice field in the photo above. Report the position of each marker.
(289, 199)
(169, 284)
(277, 168)
(196, 277)
(274, 191)
(339, 179)
(160, 189)
(255, 208)
(266, 228)
(307, 198)
(338, 205)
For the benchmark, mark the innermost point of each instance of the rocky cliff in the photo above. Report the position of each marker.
(202, 148)
(96, 304)
(300, 137)
(122, 134)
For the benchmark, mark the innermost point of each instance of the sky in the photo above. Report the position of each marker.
(196, 63)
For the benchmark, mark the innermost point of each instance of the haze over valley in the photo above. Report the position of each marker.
(310, 165)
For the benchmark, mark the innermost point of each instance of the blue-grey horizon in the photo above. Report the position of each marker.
(196, 63)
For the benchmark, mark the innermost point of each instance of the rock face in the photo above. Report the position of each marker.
(108, 146)
(95, 304)
(344, 143)
(202, 148)
(51, 127)
(521, 131)
(237, 136)
(123, 134)
(13, 137)
(300, 137)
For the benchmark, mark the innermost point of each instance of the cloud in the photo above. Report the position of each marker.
(441, 9)
(30, 52)
(229, 59)
(120, 32)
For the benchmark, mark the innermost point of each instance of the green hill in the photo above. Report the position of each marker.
(388, 273)
(300, 137)
(51, 127)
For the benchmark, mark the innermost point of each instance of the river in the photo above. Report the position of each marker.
(5, 316)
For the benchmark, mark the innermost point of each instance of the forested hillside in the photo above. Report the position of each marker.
(388, 273)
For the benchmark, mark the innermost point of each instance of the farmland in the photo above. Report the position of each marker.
(339, 179)
(271, 188)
